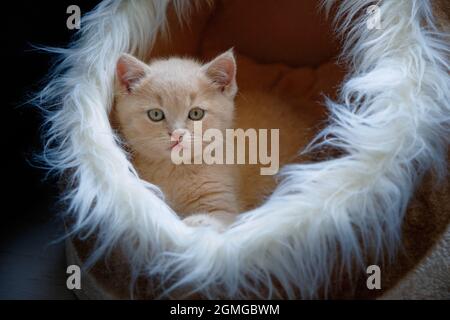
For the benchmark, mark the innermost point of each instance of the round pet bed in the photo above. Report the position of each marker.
(313, 231)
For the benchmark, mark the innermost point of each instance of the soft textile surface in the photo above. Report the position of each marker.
(297, 110)
(430, 279)
(390, 123)
(302, 89)
(421, 269)
(420, 272)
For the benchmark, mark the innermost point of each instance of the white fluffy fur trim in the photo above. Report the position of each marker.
(391, 122)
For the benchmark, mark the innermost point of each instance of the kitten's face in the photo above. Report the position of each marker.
(157, 103)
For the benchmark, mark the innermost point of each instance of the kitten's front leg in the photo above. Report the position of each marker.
(218, 221)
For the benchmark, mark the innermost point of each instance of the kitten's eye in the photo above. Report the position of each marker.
(196, 114)
(155, 114)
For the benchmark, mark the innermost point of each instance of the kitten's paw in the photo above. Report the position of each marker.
(205, 220)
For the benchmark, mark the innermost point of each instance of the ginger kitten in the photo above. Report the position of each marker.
(155, 106)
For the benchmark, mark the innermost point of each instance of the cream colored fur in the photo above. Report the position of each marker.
(206, 195)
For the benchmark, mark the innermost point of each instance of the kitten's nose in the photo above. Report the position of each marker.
(177, 135)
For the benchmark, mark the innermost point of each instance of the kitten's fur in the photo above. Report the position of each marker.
(176, 86)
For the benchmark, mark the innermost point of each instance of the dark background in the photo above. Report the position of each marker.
(27, 24)
(31, 266)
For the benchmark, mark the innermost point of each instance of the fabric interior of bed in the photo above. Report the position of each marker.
(283, 48)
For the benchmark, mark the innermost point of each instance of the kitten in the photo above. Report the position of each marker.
(155, 106)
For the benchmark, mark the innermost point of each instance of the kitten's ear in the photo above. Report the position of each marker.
(222, 72)
(130, 71)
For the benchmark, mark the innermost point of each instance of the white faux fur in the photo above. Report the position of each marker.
(392, 124)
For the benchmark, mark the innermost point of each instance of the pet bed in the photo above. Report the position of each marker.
(330, 214)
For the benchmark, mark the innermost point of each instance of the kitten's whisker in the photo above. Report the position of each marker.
(148, 138)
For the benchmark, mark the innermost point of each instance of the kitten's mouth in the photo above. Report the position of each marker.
(174, 144)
